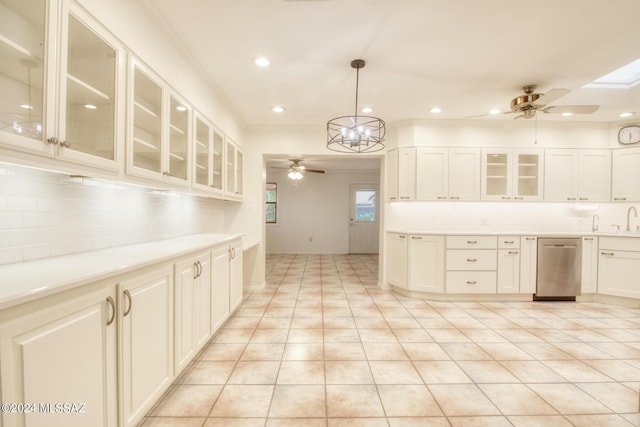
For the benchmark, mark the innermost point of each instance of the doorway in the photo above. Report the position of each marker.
(364, 214)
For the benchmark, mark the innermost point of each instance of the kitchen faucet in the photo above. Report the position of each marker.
(594, 226)
(629, 216)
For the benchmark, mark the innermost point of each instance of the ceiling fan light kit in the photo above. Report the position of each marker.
(356, 134)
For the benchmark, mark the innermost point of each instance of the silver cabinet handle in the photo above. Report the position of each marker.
(166, 173)
(530, 238)
(472, 242)
(471, 282)
(197, 269)
(113, 310)
(518, 198)
(584, 198)
(513, 252)
(607, 253)
(441, 197)
(571, 198)
(53, 140)
(402, 236)
(405, 197)
(509, 242)
(472, 259)
(619, 198)
(506, 198)
(588, 238)
(416, 237)
(455, 197)
(128, 295)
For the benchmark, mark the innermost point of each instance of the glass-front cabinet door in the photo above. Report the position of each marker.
(24, 59)
(497, 178)
(528, 175)
(203, 145)
(217, 168)
(89, 110)
(145, 129)
(176, 162)
(233, 184)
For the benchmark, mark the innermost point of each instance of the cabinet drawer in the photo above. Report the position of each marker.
(508, 242)
(471, 282)
(484, 260)
(472, 242)
(620, 243)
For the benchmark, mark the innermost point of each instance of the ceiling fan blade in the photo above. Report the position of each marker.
(314, 170)
(551, 96)
(575, 109)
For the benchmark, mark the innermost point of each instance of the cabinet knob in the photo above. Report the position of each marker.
(65, 144)
(53, 140)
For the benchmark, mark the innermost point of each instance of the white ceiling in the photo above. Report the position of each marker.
(465, 56)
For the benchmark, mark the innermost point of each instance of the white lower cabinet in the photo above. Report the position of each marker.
(65, 353)
(226, 273)
(235, 274)
(192, 307)
(508, 271)
(528, 264)
(146, 341)
(397, 260)
(619, 266)
(589, 265)
(471, 264)
(426, 263)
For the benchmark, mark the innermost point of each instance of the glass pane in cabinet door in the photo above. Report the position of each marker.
(496, 174)
(178, 134)
(91, 80)
(239, 173)
(218, 147)
(22, 41)
(202, 153)
(147, 123)
(231, 168)
(528, 174)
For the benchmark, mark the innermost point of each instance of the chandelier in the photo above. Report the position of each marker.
(355, 134)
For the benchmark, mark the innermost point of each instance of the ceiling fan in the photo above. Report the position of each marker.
(297, 171)
(531, 102)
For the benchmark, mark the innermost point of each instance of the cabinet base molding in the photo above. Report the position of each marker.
(610, 299)
(463, 297)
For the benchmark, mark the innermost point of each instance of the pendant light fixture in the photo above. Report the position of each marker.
(356, 134)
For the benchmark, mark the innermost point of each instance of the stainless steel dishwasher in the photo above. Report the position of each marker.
(559, 268)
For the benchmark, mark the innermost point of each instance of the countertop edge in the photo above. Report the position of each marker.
(515, 233)
(35, 283)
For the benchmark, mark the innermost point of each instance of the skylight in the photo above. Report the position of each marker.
(624, 77)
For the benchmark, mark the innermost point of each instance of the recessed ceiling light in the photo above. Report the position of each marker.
(567, 114)
(262, 61)
(181, 108)
(436, 110)
(90, 106)
(627, 114)
(367, 110)
(495, 111)
(277, 109)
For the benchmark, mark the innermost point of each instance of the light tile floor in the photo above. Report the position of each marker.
(321, 345)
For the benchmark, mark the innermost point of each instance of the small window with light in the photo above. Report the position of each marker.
(272, 202)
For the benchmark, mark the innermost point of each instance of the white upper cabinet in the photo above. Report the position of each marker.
(626, 175)
(234, 171)
(432, 174)
(401, 170)
(158, 138)
(464, 174)
(392, 175)
(511, 174)
(62, 84)
(577, 175)
(208, 152)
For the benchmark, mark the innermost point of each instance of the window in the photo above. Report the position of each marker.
(365, 205)
(272, 202)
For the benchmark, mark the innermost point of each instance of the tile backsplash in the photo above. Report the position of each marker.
(45, 214)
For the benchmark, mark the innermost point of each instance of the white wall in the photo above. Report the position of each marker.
(316, 208)
(45, 214)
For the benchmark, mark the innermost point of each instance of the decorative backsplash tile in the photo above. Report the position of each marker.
(44, 214)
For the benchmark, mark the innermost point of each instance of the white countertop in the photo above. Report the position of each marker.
(27, 281)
